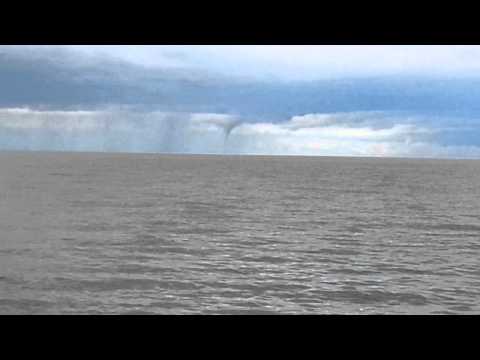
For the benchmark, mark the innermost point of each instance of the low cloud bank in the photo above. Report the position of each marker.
(117, 130)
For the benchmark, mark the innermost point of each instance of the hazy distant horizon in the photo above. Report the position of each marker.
(235, 155)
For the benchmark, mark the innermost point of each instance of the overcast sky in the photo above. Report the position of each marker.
(300, 62)
(312, 100)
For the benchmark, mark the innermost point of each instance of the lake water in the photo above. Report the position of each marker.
(175, 234)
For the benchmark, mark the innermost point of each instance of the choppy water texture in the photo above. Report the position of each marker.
(140, 234)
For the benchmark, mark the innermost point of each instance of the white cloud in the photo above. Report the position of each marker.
(329, 134)
(343, 134)
(24, 118)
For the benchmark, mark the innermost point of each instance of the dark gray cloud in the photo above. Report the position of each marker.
(61, 78)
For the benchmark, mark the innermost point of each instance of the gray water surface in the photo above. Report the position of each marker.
(141, 234)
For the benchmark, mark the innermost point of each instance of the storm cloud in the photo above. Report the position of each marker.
(157, 99)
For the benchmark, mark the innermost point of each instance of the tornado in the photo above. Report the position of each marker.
(226, 123)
